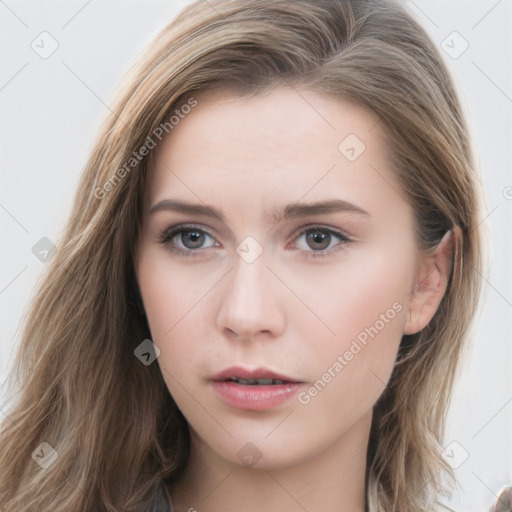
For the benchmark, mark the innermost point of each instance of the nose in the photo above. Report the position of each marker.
(250, 305)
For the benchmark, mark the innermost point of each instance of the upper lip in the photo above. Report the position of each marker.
(255, 373)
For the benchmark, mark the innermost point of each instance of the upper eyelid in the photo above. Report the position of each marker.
(178, 228)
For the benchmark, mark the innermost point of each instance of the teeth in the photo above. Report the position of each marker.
(253, 382)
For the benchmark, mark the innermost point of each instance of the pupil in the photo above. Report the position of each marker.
(319, 238)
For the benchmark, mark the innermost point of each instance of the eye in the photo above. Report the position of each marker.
(185, 240)
(320, 240)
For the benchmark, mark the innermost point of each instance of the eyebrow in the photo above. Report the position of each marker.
(272, 216)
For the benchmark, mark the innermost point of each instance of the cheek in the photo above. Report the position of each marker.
(176, 301)
(171, 292)
(351, 295)
(362, 303)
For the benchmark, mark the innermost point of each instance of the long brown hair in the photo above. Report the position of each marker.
(76, 383)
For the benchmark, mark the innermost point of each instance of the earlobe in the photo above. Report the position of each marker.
(431, 283)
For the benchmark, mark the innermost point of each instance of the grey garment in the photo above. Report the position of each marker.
(504, 501)
(161, 501)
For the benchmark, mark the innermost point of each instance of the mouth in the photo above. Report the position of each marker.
(253, 377)
(256, 389)
(256, 382)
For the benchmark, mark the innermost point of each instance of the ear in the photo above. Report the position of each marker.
(431, 282)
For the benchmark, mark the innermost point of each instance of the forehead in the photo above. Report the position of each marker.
(283, 146)
(301, 119)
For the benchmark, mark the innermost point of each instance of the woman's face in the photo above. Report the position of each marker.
(275, 285)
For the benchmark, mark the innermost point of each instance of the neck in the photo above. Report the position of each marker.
(333, 479)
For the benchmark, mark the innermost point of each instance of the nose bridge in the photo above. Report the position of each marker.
(248, 305)
(247, 283)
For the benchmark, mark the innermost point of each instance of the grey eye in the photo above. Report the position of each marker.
(195, 237)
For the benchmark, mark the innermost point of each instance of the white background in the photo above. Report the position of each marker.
(51, 109)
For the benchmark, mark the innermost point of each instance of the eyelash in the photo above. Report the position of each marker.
(168, 234)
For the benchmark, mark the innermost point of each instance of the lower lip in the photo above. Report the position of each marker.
(254, 398)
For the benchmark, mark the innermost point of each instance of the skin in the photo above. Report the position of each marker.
(288, 310)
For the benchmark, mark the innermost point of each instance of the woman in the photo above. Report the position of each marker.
(267, 280)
